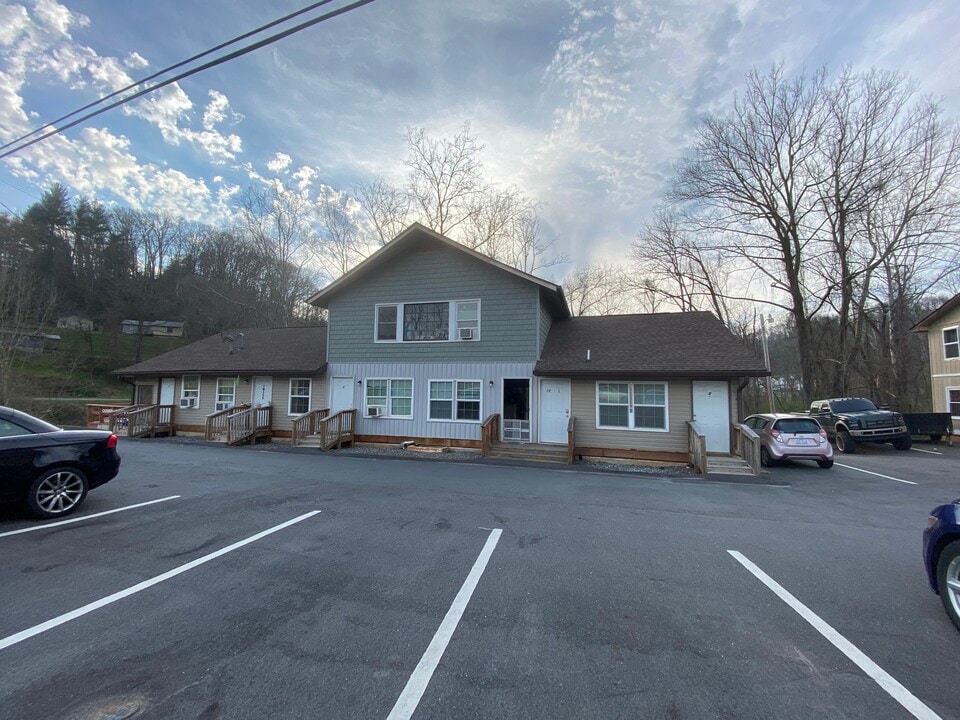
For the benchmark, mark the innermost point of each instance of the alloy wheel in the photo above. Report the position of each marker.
(953, 584)
(60, 492)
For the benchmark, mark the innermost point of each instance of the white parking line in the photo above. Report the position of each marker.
(928, 452)
(870, 472)
(897, 691)
(410, 697)
(133, 589)
(34, 528)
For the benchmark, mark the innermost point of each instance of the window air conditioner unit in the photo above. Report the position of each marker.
(188, 402)
(223, 406)
(466, 333)
(373, 411)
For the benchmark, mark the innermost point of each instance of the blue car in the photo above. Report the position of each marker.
(941, 554)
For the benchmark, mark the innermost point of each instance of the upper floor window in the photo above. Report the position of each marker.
(951, 343)
(428, 321)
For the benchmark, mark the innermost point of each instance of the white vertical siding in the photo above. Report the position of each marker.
(422, 373)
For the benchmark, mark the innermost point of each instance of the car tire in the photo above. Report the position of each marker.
(825, 464)
(845, 443)
(766, 459)
(948, 569)
(57, 492)
(903, 444)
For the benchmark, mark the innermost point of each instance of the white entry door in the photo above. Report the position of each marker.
(711, 412)
(554, 410)
(166, 390)
(341, 396)
(262, 391)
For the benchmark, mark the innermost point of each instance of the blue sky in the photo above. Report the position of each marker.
(586, 106)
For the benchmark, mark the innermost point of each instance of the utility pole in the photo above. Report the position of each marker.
(766, 361)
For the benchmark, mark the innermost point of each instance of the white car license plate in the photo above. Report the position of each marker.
(800, 441)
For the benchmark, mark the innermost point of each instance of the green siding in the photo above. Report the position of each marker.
(546, 320)
(508, 310)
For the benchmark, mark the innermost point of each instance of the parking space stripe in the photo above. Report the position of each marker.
(870, 472)
(928, 452)
(133, 589)
(897, 691)
(34, 528)
(410, 697)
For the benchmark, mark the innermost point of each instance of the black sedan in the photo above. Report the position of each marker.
(52, 469)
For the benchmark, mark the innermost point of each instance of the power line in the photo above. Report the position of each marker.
(206, 66)
(157, 74)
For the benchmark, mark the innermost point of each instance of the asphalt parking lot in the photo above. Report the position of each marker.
(264, 584)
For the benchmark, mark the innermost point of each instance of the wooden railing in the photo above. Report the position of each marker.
(571, 440)
(248, 423)
(746, 444)
(334, 429)
(215, 426)
(98, 415)
(118, 419)
(306, 425)
(697, 444)
(489, 433)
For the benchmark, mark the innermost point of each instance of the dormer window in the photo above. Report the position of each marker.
(446, 321)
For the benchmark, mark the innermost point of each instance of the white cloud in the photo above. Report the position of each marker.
(281, 161)
(136, 61)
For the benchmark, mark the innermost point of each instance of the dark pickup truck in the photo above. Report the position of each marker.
(851, 421)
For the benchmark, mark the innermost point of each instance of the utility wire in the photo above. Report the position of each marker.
(206, 66)
(157, 74)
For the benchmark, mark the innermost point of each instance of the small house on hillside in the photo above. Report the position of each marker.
(153, 328)
(75, 322)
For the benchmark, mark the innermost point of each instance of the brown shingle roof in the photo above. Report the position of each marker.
(930, 319)
(692, 344)
(265, 350)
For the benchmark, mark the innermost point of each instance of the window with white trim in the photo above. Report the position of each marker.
(443, 321)
(190, 390)
(299, 402)
(226, 393)
(457, 400)
(951, 343)
(468, 320)
(386, 323)
(953, 401)
(632, 405)
(392, 396)
(426, 321)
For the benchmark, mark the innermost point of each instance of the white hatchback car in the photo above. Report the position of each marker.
(791, 436)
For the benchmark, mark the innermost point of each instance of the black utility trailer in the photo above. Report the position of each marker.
(936, 425)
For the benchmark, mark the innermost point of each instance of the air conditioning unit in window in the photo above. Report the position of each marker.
(222, 406)
(188, 402)
(374, 411)
(466, 333)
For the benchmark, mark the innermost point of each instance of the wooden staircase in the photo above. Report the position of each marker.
(532, 452)
(318, 429)
(728, 465)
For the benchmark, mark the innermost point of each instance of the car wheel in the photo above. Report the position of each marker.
(845, 443)
(57, 492)
(903, 444)
(766, 459)
(948, 581)
(825, 464)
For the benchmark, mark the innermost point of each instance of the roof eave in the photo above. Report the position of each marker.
(640, 372)
(127, 372)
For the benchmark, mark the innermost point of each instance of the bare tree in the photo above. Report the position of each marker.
(25, 307)
(598, 289)
(277, 219)
(386, 208)
(445, 177)
(338, 246)
(670, 264)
